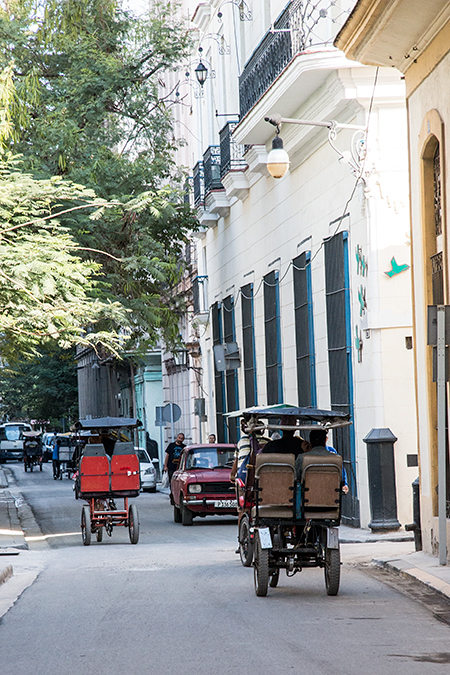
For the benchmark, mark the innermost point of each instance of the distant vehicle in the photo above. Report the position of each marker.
(147, 471)
(11, 440)
(201, 485)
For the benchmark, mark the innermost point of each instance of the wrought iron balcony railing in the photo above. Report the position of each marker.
(301, 25)
(211, 167)
(231, 154)
(199, 184)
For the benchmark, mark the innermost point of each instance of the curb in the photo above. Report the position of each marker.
(402, 568)
(6, 573)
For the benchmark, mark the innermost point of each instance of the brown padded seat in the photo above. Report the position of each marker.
(321, 477)
(276, 475)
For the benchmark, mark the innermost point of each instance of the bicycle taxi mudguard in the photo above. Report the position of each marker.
(108, 470)
(290, 514)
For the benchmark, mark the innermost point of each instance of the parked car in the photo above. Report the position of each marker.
(11, 440)
(47, 446)
(147, 470)
(201, 485)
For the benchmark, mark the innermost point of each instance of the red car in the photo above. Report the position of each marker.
(201, 485)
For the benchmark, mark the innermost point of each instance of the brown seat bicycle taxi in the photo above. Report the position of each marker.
(289, 515)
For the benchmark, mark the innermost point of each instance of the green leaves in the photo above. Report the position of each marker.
(83, 101)
(47, 292)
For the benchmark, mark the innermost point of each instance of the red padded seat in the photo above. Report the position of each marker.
(94, 474)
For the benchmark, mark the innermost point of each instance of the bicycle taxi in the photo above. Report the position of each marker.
(108, 470)
(289, 521)
(32, 450)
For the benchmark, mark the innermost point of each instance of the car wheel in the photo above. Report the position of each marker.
(186, 516)
(245, 544)
(133, 524)
(176, 514)
(86, 525)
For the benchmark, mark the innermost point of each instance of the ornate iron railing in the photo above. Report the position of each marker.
(211, 166)
(231, 154)
(199, 184)
(302, 24)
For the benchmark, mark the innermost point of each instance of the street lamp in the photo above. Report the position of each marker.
(278, 158)
(201, 73)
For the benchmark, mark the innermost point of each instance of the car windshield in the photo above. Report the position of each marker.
(209, 458)
(143, 456)
(13, 433)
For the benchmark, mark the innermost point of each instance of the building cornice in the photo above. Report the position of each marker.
(392, 33)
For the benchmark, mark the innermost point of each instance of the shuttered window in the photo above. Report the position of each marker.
(231, 379)
(274, 379)
(337, 294)
(304, 331)
(248, 345)
(219, 379)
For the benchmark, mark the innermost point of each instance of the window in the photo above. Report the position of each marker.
(304, 331)
(248, 343)
(337, 295)
(274, 378)
(219, 379)
(231, 380)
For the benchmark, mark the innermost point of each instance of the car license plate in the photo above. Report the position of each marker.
(226, 504)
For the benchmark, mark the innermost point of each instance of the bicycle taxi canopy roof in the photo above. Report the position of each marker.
(108, 423)
(302, 418)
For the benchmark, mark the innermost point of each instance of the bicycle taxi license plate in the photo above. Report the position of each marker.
(225, 504)
(264, 537)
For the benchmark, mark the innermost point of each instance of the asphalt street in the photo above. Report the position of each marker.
(179, 602)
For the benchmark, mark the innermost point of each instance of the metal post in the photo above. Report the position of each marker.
(171, 421)
(441, 397)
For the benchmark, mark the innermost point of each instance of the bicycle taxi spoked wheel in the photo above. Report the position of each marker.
(292, 507)
(261, 568)
(86, 525)
(246, 546)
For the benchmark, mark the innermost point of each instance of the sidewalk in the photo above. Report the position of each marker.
(393, 551)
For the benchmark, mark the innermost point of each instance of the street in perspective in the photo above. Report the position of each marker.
(224, 337)
(181, 600)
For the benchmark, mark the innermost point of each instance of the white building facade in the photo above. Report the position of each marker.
(309, 274)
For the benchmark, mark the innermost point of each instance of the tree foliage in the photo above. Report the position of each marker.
(48, 294)
(43, 388)
(87, 106)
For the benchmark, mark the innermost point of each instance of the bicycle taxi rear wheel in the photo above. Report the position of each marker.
(332, 570)
(245, 544)
(86, 525)
(261, 568)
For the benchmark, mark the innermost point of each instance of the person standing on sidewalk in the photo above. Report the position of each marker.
(173, 454)
(55, 457)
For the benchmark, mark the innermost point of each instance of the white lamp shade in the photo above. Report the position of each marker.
(277, 162)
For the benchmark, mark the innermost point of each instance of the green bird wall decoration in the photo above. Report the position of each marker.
(396, 268)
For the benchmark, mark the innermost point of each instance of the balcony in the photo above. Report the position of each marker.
(270, 57)
(298, 55)
(231, 154)
(211, 167)
(199, 184)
